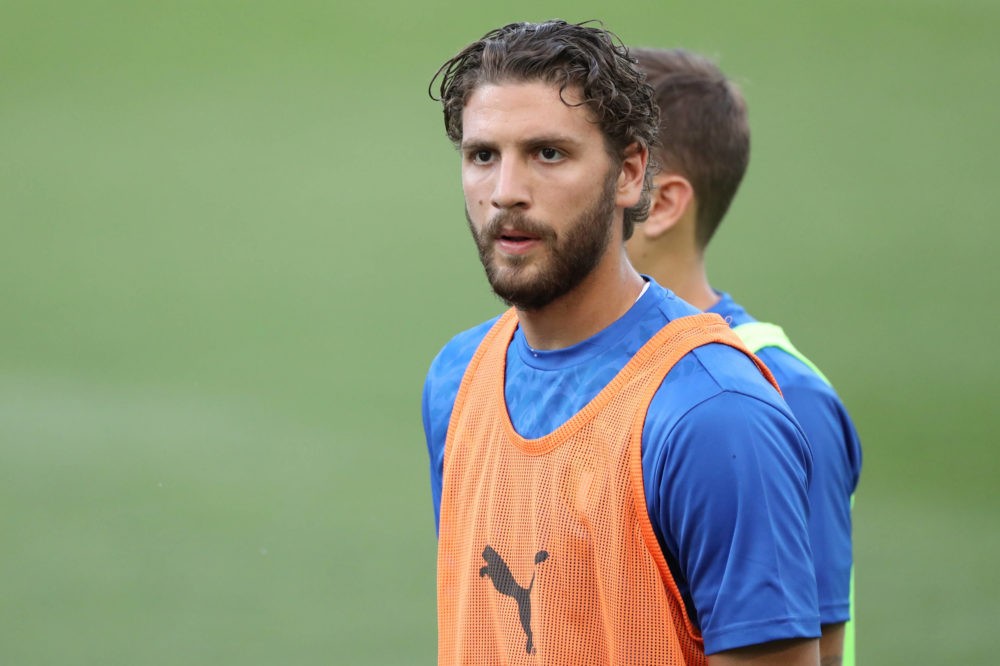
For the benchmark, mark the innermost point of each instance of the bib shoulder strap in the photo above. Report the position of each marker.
(757, 335)
(500, 333)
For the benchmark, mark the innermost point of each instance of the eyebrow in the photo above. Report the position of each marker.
(531, 142)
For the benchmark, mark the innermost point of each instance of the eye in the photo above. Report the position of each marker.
(481, 156)
(550, 154)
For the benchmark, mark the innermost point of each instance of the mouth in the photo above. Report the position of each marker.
(516, 242)
(516, 236)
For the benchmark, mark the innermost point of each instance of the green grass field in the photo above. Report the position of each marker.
(231, 241)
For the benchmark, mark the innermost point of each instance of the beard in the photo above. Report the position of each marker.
(533, 282)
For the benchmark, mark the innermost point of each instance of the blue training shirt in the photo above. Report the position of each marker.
(836, 453)
(726, 467)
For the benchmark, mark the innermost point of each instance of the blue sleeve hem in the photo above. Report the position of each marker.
(763, 631)
(835, 613)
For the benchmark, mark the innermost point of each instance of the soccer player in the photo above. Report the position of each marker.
(616, 479)
(702, 156)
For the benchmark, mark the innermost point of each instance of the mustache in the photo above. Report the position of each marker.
(516, 220)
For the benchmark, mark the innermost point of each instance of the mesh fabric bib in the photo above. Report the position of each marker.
(546, 554)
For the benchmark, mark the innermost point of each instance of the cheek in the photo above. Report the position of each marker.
(473, 191)
(474, 197)
(473, 200)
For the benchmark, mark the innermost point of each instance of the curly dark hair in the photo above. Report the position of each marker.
(570, 56)
(704, 129)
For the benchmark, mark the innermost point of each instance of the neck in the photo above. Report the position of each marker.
(593, 305)
(682, 272)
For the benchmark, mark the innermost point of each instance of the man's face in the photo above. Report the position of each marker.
(540, 190)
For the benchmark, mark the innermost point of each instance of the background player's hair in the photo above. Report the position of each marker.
(566, 55)
(705, 134)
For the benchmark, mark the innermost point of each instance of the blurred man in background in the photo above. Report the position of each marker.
(703, 153)
(616, 479)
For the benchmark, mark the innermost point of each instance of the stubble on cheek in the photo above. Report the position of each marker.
(532, 281)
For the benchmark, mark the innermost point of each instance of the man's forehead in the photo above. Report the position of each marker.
(569, 95)
(534, 106)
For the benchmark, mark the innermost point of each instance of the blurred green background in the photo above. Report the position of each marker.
(232, 241)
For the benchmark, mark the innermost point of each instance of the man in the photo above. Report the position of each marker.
(703, 154)
(615, 479)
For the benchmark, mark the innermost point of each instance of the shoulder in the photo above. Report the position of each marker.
(792, 372)
(717, 395)
(716, 369)
(821, 414)
(804, 389)
(801, 387)
(445, 376)
(815, 404)
(789, 371)
(711, 377)
(455, 355)
(713, 405)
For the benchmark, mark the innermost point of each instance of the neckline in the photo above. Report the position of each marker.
(551, 441)
(586, 350)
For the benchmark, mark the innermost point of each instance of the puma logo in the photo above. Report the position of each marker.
(503, 581)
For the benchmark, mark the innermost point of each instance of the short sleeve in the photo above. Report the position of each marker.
(727, 490)
(836, 468)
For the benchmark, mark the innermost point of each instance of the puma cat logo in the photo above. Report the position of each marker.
(503, 581)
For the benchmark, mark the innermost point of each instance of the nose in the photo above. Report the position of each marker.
(511, 188)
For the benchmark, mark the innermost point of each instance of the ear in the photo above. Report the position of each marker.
(672, 200)
(632, 174)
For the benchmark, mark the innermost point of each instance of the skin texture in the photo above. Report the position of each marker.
(526, 151)
(664, 246)
(831, 645)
